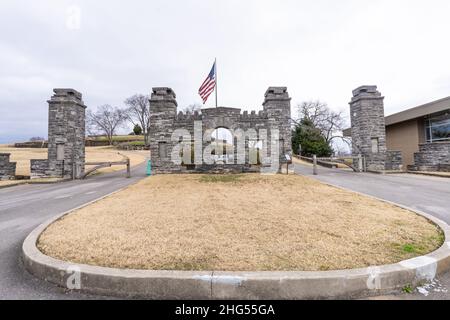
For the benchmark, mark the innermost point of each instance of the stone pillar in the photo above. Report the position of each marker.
(369, 127)
(66, 134)
(163, 112)
(277, 105)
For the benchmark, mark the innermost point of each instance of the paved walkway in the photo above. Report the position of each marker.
(424, 193)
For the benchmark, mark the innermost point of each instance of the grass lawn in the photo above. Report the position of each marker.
(238, 223)
(93, 154)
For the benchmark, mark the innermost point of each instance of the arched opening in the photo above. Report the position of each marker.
(255, 151)
(223, 142)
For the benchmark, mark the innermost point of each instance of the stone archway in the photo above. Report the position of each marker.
(168, 128)
(224, 152)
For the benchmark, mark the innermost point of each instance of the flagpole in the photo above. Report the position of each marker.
(217, 105)
(217, 84)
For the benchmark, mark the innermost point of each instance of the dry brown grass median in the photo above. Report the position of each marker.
(238, 223)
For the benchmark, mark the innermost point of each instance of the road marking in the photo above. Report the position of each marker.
(92, 192)
(63, 197)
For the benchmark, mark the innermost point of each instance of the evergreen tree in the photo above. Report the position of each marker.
(137, 130)
(310, 139)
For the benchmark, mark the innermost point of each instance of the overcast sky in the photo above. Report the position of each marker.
(318, 49)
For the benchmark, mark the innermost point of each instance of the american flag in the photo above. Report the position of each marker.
(208, 85)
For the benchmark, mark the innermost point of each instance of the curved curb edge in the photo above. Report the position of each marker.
(344, 284)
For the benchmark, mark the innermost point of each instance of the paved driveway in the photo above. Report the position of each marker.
(25, 207)
(424, 193)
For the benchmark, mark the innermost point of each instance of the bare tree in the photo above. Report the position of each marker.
(37, 139)
(138, 112)
(192, 108)
(329, 122)
(106, 120)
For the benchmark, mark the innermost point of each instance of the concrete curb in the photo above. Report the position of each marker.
(28, 182)
(12, 185)
(344, 284)
(429, 174)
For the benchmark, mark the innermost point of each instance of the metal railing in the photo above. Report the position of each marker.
(357, 164)
(100, 165)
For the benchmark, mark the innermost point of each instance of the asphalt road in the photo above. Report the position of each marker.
(25, 207)
(423, 193)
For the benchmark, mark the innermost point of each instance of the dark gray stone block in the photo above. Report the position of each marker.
(7, 168)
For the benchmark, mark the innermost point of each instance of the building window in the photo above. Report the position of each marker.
(438, 129)
(375, 145)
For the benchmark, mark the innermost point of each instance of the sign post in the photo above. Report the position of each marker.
(315, 165)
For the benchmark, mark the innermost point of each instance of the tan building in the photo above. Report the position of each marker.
(422, 134)
(429, 123)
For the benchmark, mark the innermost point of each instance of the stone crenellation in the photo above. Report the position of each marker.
(7, 168)
(165, 120)
(197, 116)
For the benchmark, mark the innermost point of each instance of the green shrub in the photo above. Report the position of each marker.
(137, 130)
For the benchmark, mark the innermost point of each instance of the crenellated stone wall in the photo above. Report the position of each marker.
(164, 121)
(7, 168)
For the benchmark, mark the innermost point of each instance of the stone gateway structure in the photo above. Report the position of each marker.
(166, 125)
(66, 137)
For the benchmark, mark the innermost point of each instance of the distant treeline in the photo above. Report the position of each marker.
(97, 141)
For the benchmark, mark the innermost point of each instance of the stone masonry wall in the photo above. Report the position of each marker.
(164, 121)
(432, 157)
(394, 160)
(40, 169)
(7, 168)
